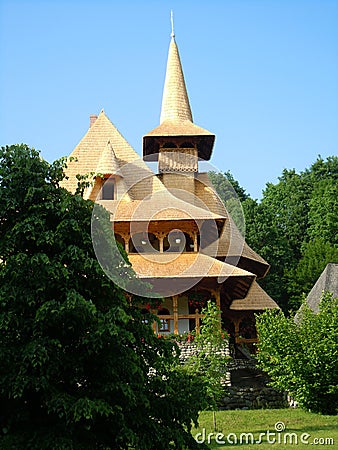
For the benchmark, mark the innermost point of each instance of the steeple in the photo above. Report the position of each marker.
(175, 101)
(177, 130)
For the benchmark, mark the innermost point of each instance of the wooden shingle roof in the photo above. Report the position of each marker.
(176, 117)
(91, 153)
(162, 205)
(175, 100)
(328, 281)
(108, 163)
(256, 300)
(231, 245)
(183, 265)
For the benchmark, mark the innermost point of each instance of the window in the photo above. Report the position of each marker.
(108, 189)
(143, 243)
(178, 241)
(165, 323)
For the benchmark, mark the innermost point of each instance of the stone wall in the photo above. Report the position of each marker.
(253, 398)
(256, 395)
(189, 349)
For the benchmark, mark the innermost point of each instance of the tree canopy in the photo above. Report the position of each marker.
(79, 368)
(295, 220)
(301, 355)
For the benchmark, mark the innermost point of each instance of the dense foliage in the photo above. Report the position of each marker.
(78, 367)
(294, 227)
(301, 355)
(210, 363)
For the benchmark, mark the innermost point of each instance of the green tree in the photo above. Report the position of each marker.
(300, 355)
(287, 203)
(225, 184)
(232, 195)
(300, 209)
(323, 211)
(210, 361)
(79, 368)
(263, 236)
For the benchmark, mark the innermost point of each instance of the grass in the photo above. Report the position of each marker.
(314, 429)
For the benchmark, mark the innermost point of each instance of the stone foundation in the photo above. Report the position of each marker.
(245, 384)
(253, 398)
(189, 349)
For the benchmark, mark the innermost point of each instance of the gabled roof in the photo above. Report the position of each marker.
(256, 300)
(92, 151)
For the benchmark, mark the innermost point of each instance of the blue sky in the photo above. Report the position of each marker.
(261, 74)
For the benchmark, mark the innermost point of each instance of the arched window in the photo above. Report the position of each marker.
(178, 241)
(189, 243)
(174, 242)
(144, 243)
(165, 323)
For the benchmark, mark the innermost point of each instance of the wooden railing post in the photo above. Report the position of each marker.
(154, 324)
(197, 322)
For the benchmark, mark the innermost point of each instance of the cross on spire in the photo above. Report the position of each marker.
(172, 24)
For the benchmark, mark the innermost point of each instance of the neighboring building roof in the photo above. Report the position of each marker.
(328, 281)
(256, 300)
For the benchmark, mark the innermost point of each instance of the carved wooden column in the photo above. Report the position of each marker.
(154, 324)
(197, 321)
(126, 238)
(195, 242)
(160, 236)
(175, 313)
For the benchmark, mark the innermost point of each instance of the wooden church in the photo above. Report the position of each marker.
(176, 231)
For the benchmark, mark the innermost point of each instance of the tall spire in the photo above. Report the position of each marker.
(176, 130)
(175, 101)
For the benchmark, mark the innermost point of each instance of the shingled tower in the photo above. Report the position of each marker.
(177, 143)
(162, 219)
